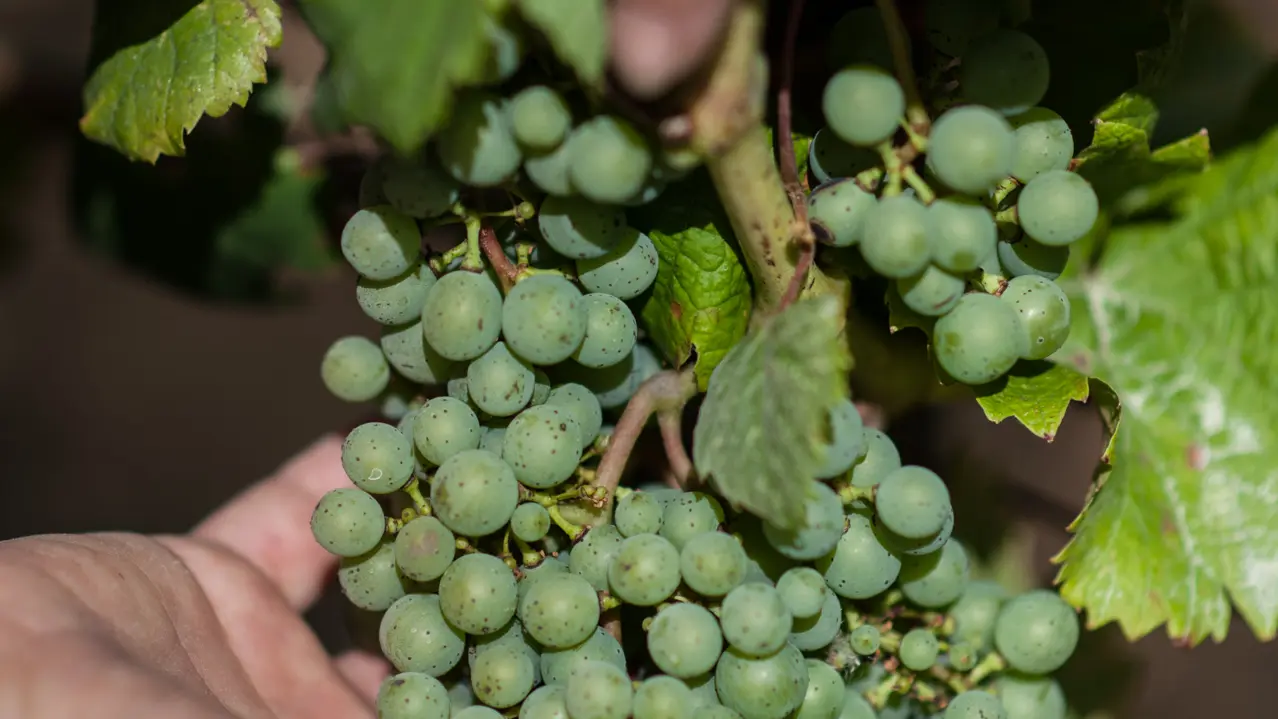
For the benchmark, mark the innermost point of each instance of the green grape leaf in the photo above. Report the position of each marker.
(700, 301)
(758, 437)
(1037, 394)
(1128, 175)
(145, 98)
(1179, 317)
(394, 66)
(577, 31)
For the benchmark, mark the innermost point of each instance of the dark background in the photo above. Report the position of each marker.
(125, 404)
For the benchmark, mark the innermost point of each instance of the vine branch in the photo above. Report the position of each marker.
(670, 421)
(665, 392)
(501, 264)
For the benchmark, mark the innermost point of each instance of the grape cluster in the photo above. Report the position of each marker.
(977, 255)
(496, 602)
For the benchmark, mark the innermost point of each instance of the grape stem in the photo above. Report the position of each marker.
(414, 491)
(664, 392)
(474, 261)
(670, 422)
(506, 272)
(912, 178)
(899, 41)
(610, 620)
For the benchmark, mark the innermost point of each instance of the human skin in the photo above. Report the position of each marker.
(205, 625)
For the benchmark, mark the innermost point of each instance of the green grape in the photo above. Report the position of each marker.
(1005, 70)
(803, 590)
(381, 242)
(637, 513)
(837, 211)
(558, 665)
(625, 271)
(609, 159)
(398, 300)
(859, 37)
(443, 427)
(354, 369)
(614, 386)
(505, 51)
(663, 697)
(1043, 143)
(598, 690)
(906, 547)
(424, 548)
(415, 637)
(865, 639)
(717, 711)
(962, 233)
(502, 676)
(461, 317)
(825, 693)
(863, 105)
(543, 445)
(561, 612)
(530, 522)
(1027, 697)
(913, 502)
(377, 458)
(935, 580)
(962, 656)
(979, 340)
(500, 382)
(712, 563)
(847, 440)
(549, 171)
(541, 388)
(830, 158)
(580, 229)
(971, 148)
(975, 704)
(1027, 257)
(406, 349)
(549, 567)
(491, 439)
(952, 24)
(371, 581)
(348, 522)
(768, 687)
(933, 293)
(544, 319)
(478, 712)
(894, 240)
(856, 707)
(593, 555)
(976, 611)
(418, 189)
(881, 458)
(755, 620)
(1036, 632)
(412, 695)
(703, 689)
(859, 567)
(399, 400)
(474, 493)
(582, 406)
(611, 332)
(539, 117)
(818, 533)
(919, 650)
(645, 570)
(1057, 207)
(651, 190)
(684, 640)
(477, 146)
(817, 632)
(545, 702)
(1043, 310)
(459, 694)
(477, 594)
(688, 515)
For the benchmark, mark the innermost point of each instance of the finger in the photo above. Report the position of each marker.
(656, 44)
(365, 672)
(269, 523)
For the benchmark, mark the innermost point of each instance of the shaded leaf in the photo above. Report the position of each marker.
(1179, 318)
(576, 29)
(759, 434)
(145, 98)
(1037, 394)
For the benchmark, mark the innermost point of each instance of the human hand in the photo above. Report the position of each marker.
(206, 625)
